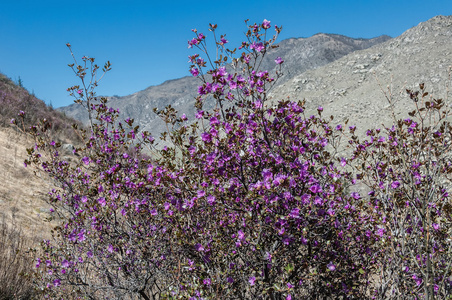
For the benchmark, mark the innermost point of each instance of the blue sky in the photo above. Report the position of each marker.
(146, 41)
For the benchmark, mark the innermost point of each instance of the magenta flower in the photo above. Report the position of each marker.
(194, 71)
(355, 195)
(102, 201)
(211, 199)
(380, 232)
(435, 226)
(85, 160)
(395, 184)
(343, 162)
(199, 247)
(56, 282)
(316, 188)
(258, 47)
(295, 213)
(252, 280)
(65, 263)
(279, 60)
(206, 137)
(199, 114)
(331, 266)
(266, 24)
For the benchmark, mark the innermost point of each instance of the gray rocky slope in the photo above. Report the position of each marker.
(300, 55)
(354, 86)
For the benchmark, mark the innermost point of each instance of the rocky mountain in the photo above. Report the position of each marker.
(354, 86)
(300, 55)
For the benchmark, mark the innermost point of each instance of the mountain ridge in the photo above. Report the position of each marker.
(353, 86)
(320, 50)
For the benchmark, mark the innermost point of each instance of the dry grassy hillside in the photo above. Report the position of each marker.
(22, 193)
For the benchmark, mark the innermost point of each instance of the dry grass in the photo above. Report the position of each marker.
(16, 265)
(22, 193)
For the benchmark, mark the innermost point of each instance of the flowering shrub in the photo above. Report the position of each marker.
(250, 201)
(407, 168)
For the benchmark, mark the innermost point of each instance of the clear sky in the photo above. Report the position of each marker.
(146, 41)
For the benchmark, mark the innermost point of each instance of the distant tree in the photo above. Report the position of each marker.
(20, 82)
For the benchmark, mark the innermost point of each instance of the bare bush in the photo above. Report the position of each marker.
(16, 266)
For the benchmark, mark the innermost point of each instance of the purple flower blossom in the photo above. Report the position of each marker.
(211, 199)
(102, 201)
(343, 162)
(331, 266)
(199, 114)
(279, 60)
(380, 232)
(295, 213)
(199, 247)
(258, 47)
(395, 184)
(355, 195)
(85, 160)
(318, 201)
(206, 137)
(315, 188)
(252, 280)
(38, 262)
(56, 282)
(194, 71)
(241, 235)
(65, 263)
(266, 24)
